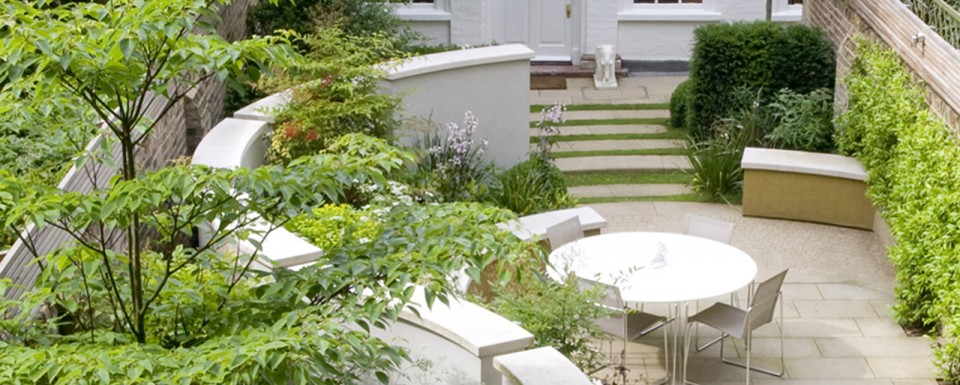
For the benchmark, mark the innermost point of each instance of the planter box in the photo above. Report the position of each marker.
(804, 186)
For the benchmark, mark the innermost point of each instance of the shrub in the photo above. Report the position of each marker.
(558, 315)
(758, 55)
(361, 18)
(716, 161)
(533, 186)
(913, 166)
(805, 121)
(331, 226)
(335, 92)
(678, 104)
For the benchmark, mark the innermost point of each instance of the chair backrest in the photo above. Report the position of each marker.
(764, 301)
(564, 232)
(616, 323)
(709, 228)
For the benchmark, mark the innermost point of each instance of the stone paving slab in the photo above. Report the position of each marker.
(631, 90)
(840, 332)
(619, 144)
(607, 129)
(607, 114)
(646, 163)
(628, 190)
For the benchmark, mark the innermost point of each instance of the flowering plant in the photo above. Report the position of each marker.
(455, 164)
(548, 130)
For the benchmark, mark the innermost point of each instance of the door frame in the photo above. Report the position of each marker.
(498, 28)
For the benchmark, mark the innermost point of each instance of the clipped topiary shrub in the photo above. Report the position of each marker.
(678, 104)
(758, 55)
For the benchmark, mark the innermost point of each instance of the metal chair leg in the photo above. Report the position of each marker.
(748, 348)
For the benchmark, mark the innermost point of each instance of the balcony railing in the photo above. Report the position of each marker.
(940, 15)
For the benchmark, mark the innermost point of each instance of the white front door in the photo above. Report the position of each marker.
(543, 25)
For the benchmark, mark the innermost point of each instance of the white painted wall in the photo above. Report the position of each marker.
(492, 82)
(651, 33)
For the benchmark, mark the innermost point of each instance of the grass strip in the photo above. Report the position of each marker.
(610, 122)
(695, 197)
(608, 178)
(645, 151)
(672, 134)
(604, 107)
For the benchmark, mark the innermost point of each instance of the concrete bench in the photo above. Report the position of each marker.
(542, 366)
(536, 225)
(806, 186)
(461, 336)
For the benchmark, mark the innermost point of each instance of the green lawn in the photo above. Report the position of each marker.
(646, 151)
(610, 122)
(605, 107)
(696, 197)
(604, 178)
(672, 134)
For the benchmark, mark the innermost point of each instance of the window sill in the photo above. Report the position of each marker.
(790, 15)
(670, 14)
(421, 14)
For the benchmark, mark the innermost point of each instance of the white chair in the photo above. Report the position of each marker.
(704, 227)
(713, 229)
(739, 323)
(624, 322)
(564, 232)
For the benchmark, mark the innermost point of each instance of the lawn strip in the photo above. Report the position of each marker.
(664, 198)
(645, 151)
(628, 177)
(609, 122)
(672, 134)
(605, 107)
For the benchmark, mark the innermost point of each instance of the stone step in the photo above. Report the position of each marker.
(608, 129)
(638, 163)
(610, 145)
(607, 114)
(628, 190)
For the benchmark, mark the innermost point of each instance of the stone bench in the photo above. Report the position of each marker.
(542, 366)
(806, 186)
(536, 225)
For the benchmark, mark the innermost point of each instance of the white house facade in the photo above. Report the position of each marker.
(642, 30)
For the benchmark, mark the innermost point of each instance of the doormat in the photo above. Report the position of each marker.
(548, 83)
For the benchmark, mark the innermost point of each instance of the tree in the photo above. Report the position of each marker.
(136, 298)
(122, 59)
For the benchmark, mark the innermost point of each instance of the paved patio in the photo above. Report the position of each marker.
(837, 296)
(837, 300)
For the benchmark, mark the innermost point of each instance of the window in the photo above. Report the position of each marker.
(668, 1)
(422, 10)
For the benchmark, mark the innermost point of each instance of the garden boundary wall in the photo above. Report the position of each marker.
(934, 63)
(176, 136)
(492, 82)
(460, 340)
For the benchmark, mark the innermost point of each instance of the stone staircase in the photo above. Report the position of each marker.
(601, 140)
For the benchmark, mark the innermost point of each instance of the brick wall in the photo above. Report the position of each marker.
(183, 127)
(844, 20)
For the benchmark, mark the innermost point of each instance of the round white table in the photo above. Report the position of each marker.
(658, 268)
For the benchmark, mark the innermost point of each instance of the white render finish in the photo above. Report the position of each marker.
(642, 32)
(541, 366)
(492, 82)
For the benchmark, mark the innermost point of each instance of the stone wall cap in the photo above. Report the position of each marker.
(477, 330)
(456, 59)
(802, 162)
(541, 366)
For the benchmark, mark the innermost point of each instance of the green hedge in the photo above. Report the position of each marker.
(758, 55)
(913, 165)
(679, 100)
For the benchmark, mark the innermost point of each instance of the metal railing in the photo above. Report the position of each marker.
(941, 15)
